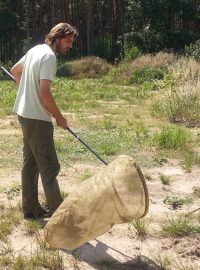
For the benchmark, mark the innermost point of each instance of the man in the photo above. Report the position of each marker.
(35, 107)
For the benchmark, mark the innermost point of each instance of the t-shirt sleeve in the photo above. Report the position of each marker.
(22, 61)
(48, 68)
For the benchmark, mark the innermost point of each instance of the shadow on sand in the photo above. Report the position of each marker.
(99, 258)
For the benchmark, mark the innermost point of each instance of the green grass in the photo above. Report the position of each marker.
(146, 74)
(10, 149)
(165, 179)
(7, 96)
(85, 175)
(9, 217)
(190, 158)
(141, 227)
(172, 137)
(37, 261)
(32, 227)
(179, 227)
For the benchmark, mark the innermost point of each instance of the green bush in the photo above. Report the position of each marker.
(146, 74)
(131, 53)
(193, 50)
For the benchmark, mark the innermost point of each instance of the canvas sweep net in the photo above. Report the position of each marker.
(116, 194)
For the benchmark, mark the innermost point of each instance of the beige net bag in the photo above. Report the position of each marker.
(116, 194)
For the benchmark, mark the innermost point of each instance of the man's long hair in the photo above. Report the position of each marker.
(59, 31)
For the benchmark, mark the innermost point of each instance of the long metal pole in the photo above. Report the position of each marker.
(7, 72)
(87, 146)
(72, 132)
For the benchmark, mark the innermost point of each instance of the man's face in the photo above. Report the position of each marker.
(64, 44)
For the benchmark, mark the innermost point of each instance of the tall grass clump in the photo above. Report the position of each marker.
(86, 67)
(172, 138)
(179, 226)
(141, 227)
(181, 100)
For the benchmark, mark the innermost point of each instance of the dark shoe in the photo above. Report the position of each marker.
(36, 214)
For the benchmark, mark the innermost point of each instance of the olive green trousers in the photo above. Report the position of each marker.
(39, 158)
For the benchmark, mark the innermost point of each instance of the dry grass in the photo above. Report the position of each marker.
(158, 60)
(180, 100)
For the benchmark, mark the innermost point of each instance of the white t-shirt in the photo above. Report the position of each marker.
(39, 63)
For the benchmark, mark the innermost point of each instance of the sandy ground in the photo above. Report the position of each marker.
(121, 244)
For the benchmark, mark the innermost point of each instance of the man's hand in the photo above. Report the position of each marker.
(62, 122)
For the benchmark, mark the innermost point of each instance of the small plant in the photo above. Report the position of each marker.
(190, 159)
(180, 265)
(6, 262)
(32, 226)
(6, 249)
(64, 194)
(87, 174)
(196, 191)
(165, 179)
(176, 202)
(164, 261)
(13, 191)
(42, 243)
(141, 226)
(107, 123)
(20, 262)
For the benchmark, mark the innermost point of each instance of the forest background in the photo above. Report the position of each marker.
(109, 29)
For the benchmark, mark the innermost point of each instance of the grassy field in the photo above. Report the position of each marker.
(147, 108)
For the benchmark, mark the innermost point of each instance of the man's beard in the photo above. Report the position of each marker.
(60, 50)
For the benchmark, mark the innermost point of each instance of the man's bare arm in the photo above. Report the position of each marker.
(17, 72)
(50, 104)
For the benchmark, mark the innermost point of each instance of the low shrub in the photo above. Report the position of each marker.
(87, 67)
(146, 74)
(131, 53)
(193, 50)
